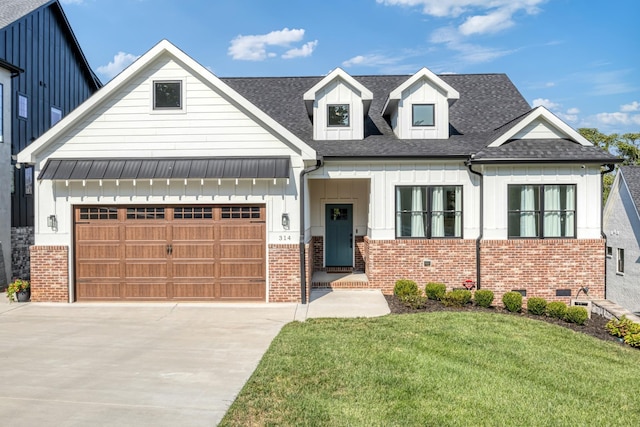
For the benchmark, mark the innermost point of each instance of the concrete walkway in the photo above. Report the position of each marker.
(139, 364)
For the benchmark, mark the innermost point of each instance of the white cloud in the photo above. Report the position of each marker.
(492, 22)
(573, 111)
(301, 52)
(371, 60)
(120, 61)
(569, 115)
(634, 106)
(468, 52)
(618, 118)
(254, 47)
(71, 1)
(548, 104)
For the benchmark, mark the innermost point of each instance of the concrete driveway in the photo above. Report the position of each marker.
(142, 364)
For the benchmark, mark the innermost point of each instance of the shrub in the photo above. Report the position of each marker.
(632, 339)
(623, 327)
(405, 288)
(435, 291)
(414, 301)
(456, 298)
(537, 306)
(512, 301)
(557, 309)
(577, 315)
(483, 298)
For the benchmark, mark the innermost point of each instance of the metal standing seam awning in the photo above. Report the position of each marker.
(196, 168)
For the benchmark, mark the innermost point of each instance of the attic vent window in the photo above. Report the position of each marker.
(338, 115)
(423, 115)
(167, 95)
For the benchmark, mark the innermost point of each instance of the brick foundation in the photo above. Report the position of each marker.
(284, 272)
(317, 243)
(49, 273)
(452, 262)
(542, 266)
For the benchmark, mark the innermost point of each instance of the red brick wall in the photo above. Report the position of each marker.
(317, 243)
(452, 261)
(542, 266)
(359, 264)
(49, 273)
(284, 272)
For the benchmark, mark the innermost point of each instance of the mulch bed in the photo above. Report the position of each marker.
(594, 326)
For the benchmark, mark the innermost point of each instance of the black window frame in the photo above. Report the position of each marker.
(329, 115)
(428, 213)
(620, 261)
(541, 211)
(179, 107)
(413, 115)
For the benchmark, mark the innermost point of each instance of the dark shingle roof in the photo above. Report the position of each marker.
(12, 10)
(533, 150)
(631, 175)
(489, 105)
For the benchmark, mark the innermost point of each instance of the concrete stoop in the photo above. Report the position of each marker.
(339, 280)
(609, 310)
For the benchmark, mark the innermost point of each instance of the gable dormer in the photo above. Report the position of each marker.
(419, 108)
(338, 105)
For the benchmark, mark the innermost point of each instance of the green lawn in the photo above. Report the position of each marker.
(444, 368)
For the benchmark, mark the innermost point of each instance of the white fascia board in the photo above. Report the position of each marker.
(542, 113)
(425, 73)
(365, 94)
(164, 46)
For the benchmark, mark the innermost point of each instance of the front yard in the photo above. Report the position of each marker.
(440, 368)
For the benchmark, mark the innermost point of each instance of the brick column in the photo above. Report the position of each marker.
(49, 273)
(284, 273)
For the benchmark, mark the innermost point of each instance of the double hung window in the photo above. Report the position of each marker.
(540, 211)
(429, 211)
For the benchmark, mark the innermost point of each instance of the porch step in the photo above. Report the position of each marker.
(345, 280)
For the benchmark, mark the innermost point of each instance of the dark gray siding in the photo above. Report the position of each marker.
(55, 75)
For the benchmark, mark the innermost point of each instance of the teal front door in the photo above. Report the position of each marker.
(339, 236)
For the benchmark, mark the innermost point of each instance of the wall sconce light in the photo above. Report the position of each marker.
(285, 221)
(52, 222)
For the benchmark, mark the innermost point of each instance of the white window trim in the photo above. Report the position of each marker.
(618, 252)
(183, 98)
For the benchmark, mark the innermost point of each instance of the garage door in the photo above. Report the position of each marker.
(170, 253)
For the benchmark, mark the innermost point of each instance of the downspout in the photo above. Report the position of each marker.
(303, 267)
(468, 164)
(609, 168)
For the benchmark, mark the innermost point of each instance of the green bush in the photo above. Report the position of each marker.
(557, 309)
(512, 301)
(457, 298)
(414, 301)
(483, 298)
(632, 339)
(405, 288)
(577, 315)
(435, 291)
(537, 306)
(623, 327)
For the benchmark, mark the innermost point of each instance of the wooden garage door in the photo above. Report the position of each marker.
(170, 253)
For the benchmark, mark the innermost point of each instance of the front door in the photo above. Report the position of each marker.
(339, 236)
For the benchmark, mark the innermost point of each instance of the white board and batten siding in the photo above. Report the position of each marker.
(540, 129)
(338, 92)
(421, 92)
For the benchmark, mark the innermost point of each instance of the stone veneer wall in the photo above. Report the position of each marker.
(541, 266)
(284, 272)
(50, 273)
(22, 239)
(452, 262)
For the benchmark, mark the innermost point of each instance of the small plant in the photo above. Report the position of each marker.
(557, 309)
(16, 286)
(435, 291)
(512, 301)
(537, 306)
(632, 339)
(405, 288)
(414, 301)
(577, 315)
(457, 298)
(623, 327)
(483, 298)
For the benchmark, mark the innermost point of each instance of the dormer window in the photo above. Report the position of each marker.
(423, 115)
(338, 115)
(167, 95)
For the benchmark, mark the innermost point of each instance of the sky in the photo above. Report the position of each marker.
(578, 58)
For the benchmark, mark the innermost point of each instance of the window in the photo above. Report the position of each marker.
(542, 211)
(338, 115)
(56, 115)
(240, 212)
(167, 95)
(620, 261)
(23, 106)
(145, 213)
(423, 115)
(28, 180)
(429, 211)
(609, 252)
(99, 213)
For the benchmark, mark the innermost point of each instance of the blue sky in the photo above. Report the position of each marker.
(579, 58)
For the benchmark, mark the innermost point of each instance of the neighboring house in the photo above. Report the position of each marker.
(622, 228)
(43, 76)
(171, 183)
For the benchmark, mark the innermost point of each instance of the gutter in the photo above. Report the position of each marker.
(303, 267)
(610, 168)
(478, 264)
